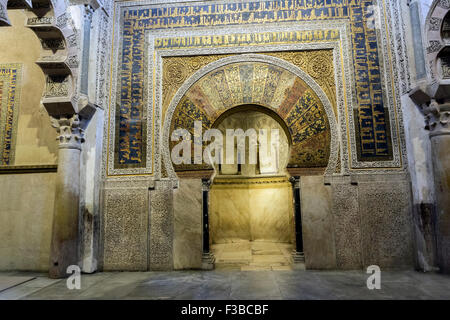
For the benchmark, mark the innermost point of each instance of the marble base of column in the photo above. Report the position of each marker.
(298, 260)
(208, 261)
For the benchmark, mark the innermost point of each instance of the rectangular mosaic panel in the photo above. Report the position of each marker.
(374, 137)
(10, 76)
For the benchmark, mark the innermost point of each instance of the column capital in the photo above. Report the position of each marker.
(206, 184)
(88, 12)
(295, 181)
(69, 130)
(437, 118)
(71, 127)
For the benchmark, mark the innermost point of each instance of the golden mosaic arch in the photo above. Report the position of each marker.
(317, 63)
(265, 85)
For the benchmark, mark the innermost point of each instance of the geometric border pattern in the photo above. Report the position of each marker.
(252, 58)
(346, 101)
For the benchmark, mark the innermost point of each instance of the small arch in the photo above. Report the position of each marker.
(254, 107)
(437, 35)
(445, 28)
(443, 63)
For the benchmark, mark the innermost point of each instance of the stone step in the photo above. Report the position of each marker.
(265, 252)
(233, 261)
(255, 268)
(228, 266)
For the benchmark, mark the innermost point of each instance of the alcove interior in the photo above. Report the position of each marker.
(251, 213)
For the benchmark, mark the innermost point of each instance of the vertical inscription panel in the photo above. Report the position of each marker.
(10, 75)
(125, 229)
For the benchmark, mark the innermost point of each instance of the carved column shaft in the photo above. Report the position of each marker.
(64, 244)
(437, 117)
(207, 257)
(205, 214)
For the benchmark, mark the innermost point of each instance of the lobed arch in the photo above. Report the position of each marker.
(314, 93)
(437, 45)
(60, 60)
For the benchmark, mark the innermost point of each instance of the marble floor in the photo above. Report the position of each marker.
(253, 255)
(234, 284)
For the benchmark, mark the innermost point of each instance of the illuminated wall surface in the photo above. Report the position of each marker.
(371, 116)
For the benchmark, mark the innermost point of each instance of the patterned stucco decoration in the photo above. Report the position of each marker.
(10, 78)
(318, 64)
(372, 118)
(176, 70)
(268, 86)
(295, 101)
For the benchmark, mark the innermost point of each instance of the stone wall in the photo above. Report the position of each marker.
(358, 221)
(26, 215)
(26, 200)
(317, 222)
(124, 227)
(187, 242)
(35, 142)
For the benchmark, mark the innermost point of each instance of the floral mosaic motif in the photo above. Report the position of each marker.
(258, 83)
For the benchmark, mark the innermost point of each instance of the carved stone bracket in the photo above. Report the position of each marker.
(11, 4)
(4, 20)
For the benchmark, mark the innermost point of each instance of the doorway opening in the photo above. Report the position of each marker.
(251, 205)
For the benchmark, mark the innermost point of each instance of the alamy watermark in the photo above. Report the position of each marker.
(73, 282)
(263, 146)
(374, 280)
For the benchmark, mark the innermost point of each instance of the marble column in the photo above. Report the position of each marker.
(298, 255)
(437, 121)
(207, 257)
(64, 243)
